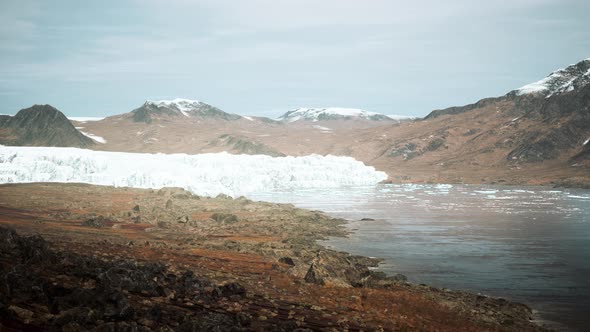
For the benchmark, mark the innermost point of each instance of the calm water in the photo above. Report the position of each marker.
(529, 244)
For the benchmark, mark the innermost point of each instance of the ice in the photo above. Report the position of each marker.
(204, 174)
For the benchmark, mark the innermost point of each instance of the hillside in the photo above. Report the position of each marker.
(535, 134)
(40, 125)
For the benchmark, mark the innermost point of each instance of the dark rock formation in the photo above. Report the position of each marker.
(44, 290)
(150, 110)
(564, 124)
(41, 125)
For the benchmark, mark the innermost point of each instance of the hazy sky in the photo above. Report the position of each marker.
(265, 57)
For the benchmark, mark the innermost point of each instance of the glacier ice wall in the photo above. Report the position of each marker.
(203, 174)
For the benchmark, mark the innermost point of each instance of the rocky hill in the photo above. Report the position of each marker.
(41, 125)
(537, 134)
(178, 107)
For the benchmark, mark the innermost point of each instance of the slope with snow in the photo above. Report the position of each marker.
(85, 118)
(204, 174)
(399, 118)
(95, 138)
(330, 113)
(560, 81)
(186, 107)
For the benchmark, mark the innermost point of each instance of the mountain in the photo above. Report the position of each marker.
(560, 81)
(529, 97)
(533, 135)
(527, 136)
(331, 113)
(558, 106)
(178, 107)
(41, 125)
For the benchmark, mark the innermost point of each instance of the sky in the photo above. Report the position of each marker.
(266, 57)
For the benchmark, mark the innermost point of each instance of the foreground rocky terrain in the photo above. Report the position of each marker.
(77, 257)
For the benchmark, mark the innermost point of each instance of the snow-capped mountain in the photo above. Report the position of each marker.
(563, 80)
(175, 107)
(184, 106)
(331, 113)
(203, 174)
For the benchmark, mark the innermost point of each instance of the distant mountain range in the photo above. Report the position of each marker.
(332, 113)
(537, 134)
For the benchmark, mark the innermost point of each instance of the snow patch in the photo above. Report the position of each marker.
(85, 118)
(94, 137)
(247, 118)
(398, 117)
(203, 174)
(560, 81)
(322, 128)
(315, 114)
(183, 105)
(586, 141)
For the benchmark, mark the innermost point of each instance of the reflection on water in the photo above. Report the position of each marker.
(528, 244)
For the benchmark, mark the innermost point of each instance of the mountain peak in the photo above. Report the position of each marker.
(331, 113)
(179, 107)
(41, 125)
(181, 104)
(562, 80)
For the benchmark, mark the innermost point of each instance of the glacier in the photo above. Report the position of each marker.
(202, 174)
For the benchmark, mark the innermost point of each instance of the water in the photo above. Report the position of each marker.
(527, 244)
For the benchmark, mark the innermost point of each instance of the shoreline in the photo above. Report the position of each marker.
(283, 263)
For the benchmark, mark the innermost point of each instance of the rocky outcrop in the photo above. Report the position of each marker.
(45, 290)
(41, 125)
(564, 125)
(243, 145)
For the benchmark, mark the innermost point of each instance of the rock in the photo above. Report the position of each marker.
(231, 289)
(223, 196)
(183, 219)
(25, 315)
(96, 222)
(287, 260)
(169, 204)
(181, 195)
(163, 224)
(367, 219)
(225, 217)
(399, 277)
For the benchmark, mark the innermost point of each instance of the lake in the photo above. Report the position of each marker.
(527, 244)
